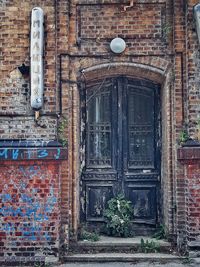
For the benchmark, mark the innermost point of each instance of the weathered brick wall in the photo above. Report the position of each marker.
(186, 111)
(193, 203)
(167, 194)
(33, 220)
(30, 203)
(15, 88)
(193, 72)
(137, 24)
(178, 117)
(190, 159)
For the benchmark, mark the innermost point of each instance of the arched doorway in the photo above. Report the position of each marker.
(122, 149)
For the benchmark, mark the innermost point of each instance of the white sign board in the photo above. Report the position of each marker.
(36, 54)
(197, 19)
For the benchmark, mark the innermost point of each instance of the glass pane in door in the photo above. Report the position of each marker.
(99, 127)
(141, 127)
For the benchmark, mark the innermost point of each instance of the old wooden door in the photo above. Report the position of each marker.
(122, 148)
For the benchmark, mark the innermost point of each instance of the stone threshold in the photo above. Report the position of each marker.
(116, 244)
(129, 241)
(122, 257)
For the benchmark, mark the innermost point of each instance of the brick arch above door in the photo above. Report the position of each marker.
(153, 73)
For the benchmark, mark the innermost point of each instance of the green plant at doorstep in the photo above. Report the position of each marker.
(148, 246)
(85, 235)
(161, 233)
(118, 217)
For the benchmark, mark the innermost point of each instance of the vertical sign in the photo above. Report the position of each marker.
(36, 54)
(197, 19)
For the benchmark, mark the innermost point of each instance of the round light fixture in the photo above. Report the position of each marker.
(117, 45)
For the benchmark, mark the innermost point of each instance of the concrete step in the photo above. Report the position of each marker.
(122, 257)
(114, 244)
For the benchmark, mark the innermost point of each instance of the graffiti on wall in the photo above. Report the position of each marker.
(28, 201)
(31, 153)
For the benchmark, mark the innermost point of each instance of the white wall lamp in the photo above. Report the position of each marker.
(117, 45)
(197, 19)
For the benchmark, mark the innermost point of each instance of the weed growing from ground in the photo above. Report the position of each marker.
(89, 236)
(149, 246)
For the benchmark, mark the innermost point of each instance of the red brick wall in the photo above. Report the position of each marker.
(193, 201)
(186, 111)
(190, 158)
(137, 24)
(30, 204)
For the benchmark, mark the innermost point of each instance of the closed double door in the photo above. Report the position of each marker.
(122, 152)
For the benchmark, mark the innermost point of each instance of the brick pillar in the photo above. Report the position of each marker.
(190, 158)
(178, 119)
